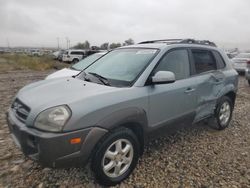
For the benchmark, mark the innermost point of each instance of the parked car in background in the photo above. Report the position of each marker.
(76, 68)
(230, 55)
(73, 56)
(240, 62)
(107, 113)
(60, 55)
(55, 54)
(35, 52)
(247, 73)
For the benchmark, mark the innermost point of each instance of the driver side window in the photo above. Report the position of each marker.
(176, 61)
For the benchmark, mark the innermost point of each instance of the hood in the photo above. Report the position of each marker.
(48, 93)
(66, 72)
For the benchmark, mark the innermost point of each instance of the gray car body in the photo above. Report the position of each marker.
(149, 107)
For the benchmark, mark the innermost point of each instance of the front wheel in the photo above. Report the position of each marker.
(223, 112)
(116, 157)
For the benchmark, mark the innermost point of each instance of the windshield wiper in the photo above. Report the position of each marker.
(101, 78)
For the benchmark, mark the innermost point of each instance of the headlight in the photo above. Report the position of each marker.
(53, 119)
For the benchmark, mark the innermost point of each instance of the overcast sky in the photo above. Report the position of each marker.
(40, 22)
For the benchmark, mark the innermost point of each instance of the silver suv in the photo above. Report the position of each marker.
(108, 112)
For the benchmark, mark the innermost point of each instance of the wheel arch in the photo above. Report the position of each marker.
(137, 129)
(75, 58)
(229, 91)
(231, 95)
(133, 118)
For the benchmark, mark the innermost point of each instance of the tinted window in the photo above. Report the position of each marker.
(220, 61)
(176, 61)
(77, 53)
(203, 61)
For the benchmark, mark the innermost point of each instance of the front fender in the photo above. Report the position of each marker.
(125, 116)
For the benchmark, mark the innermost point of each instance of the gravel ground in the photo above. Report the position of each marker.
(195, 157)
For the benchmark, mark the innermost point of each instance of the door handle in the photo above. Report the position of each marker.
(189, 90)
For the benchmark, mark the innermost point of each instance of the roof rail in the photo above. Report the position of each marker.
(201, 42)
(182, 41)
(161, 40)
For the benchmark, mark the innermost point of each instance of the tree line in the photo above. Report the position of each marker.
(104, 46)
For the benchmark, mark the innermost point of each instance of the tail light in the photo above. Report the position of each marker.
(248, 62)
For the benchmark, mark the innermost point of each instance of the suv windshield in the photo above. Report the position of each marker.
(86, 62)
(121, 67)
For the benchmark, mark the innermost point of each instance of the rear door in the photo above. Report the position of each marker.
(209, 78)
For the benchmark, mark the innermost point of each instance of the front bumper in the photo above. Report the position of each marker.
(54, 149)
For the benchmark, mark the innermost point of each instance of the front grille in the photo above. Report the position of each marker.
(21, 110)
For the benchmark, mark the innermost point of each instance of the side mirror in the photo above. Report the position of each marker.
(163, 77)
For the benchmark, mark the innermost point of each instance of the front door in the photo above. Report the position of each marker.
(173, 102)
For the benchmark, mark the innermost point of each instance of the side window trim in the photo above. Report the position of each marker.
(191, 62)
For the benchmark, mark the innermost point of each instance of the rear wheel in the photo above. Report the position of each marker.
(249, 82)
(75, 61)
(116, 157)
(223, 112)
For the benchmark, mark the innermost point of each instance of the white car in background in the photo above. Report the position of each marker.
(76, 68)
(73, 56)
(35, 52)
(247, 73)
(240, 62)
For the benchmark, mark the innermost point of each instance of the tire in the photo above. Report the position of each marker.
(249, 82)
(223, 112)
(107, 149)
(75, 61)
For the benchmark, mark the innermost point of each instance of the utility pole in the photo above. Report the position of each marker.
(58, 43)
(68, 42)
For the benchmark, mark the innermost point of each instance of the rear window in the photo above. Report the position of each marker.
(203, 60)
(77, 53)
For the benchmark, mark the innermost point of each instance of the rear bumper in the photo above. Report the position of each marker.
(54, 149)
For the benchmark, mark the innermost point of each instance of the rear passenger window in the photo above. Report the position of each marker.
(203, 60)
(77, 53)
(219, 60)
(176, 61)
